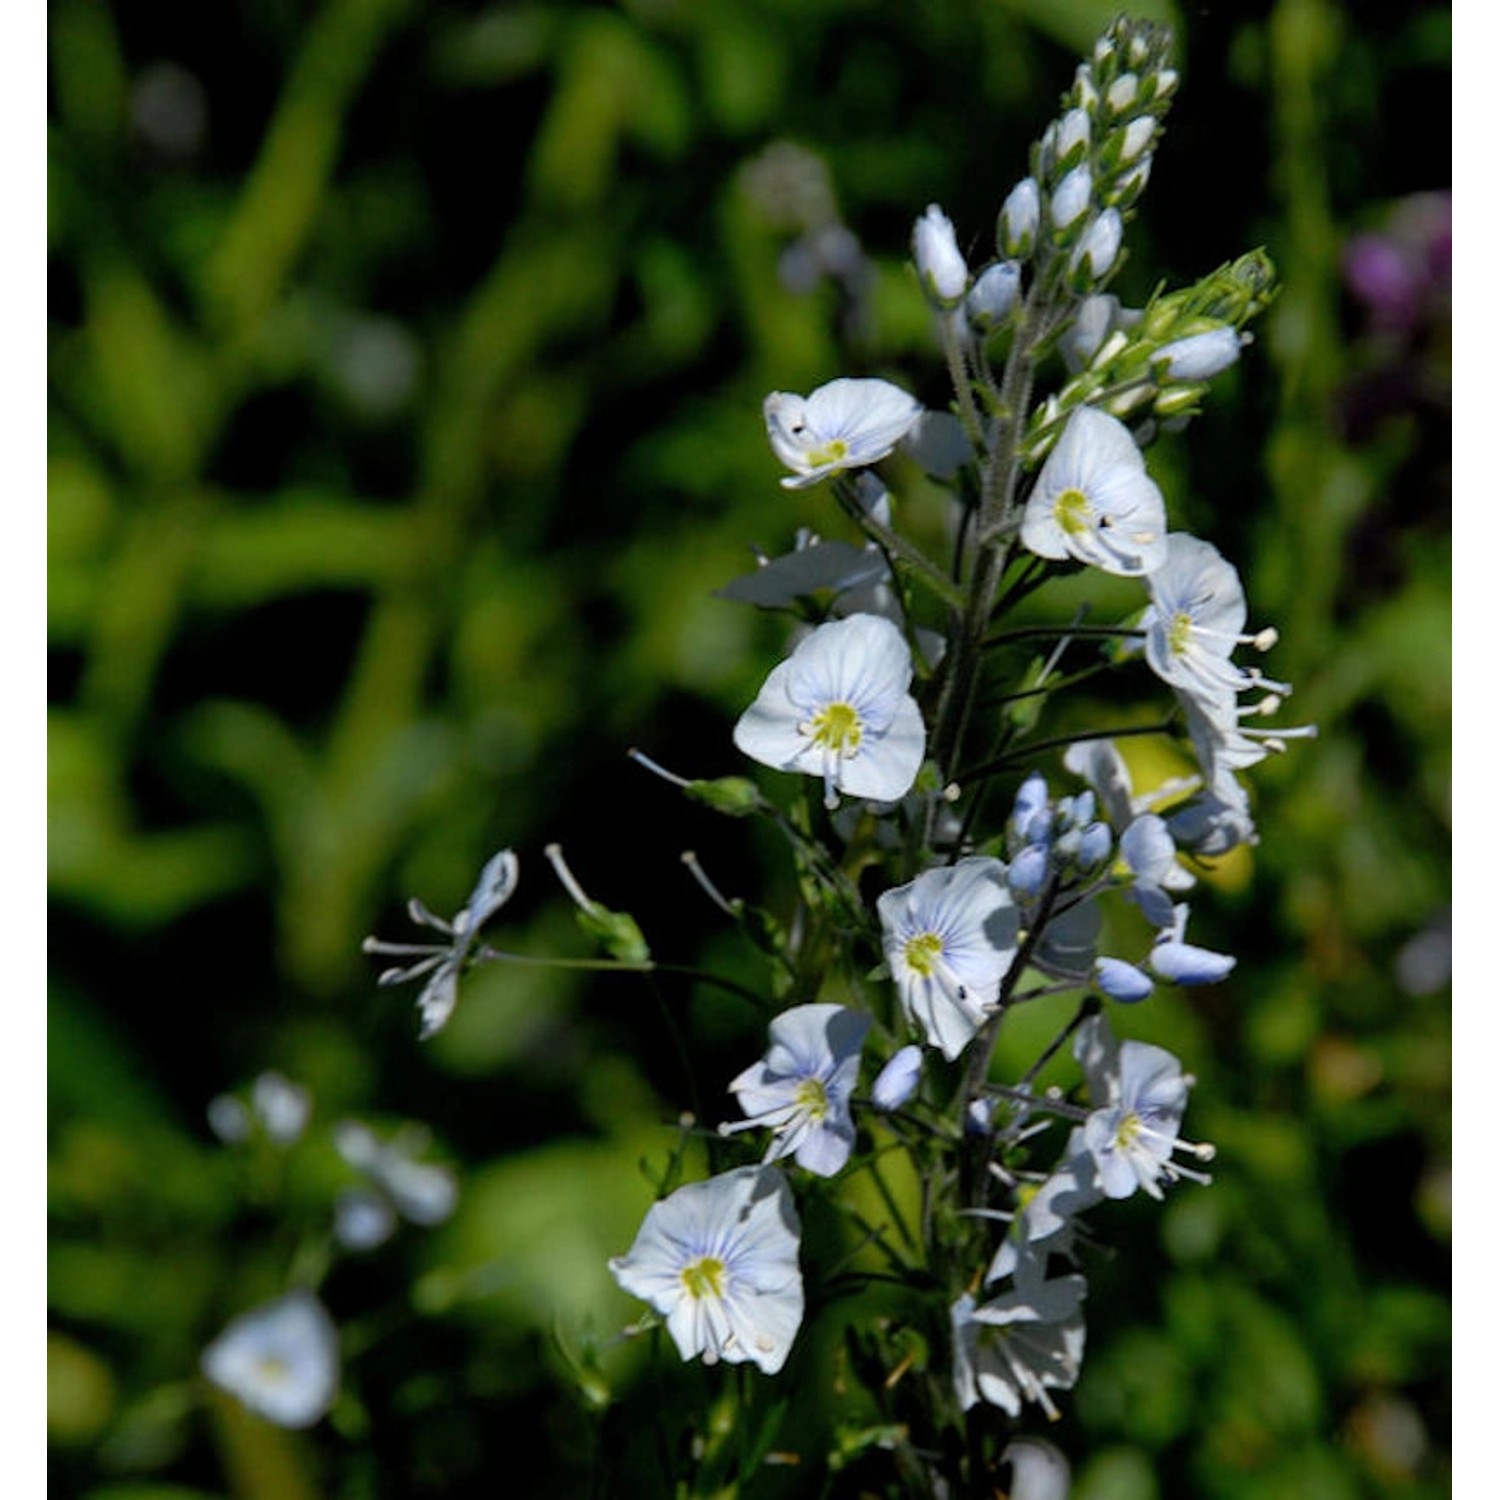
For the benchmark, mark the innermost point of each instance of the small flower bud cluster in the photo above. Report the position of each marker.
(1154, 363)
(1093, 161)
(1061, 840)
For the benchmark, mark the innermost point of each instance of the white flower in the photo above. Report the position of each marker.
(1141, 1093)
(362, 1219)
(949, 937)
(280, 1360)
(284, 1108)
(718, 1260)
(445, 961)
(421, 1192)
(801, 1088)
(1195, 620)
(940, 263)
(1094, 500)
(1019, 1346)
(845, 424)
(838, 707)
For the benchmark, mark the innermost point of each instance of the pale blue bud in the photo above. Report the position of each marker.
(940, 263)
(1137, 137)
(994, 294)
(1031, 799)
(1072, 197)
(1072, 136)
(1121, 981)
(1028, 871)
(1100, 245)
(1020, 216)
(1122, 92)
(897, 1080)
(1200, 356)
(1094, 845)
(1182, 963)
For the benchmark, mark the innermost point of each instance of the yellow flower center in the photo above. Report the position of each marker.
(922, 953)
(835, 451)
(1071, 510)
(272, 1370)
(1128, 1132)
(813, 1098)
(837, 727)
(1180, 633)
(704, 1278)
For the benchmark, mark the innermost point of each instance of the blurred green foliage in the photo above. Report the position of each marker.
(405, 373)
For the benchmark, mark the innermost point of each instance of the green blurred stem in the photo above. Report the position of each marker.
(486, 954)
(1061, 741)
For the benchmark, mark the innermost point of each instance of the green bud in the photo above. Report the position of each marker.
(617, 932)
(736, 795)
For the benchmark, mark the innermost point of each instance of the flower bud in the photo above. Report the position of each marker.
(1038, 1470)
(940, 264)
(1136, 138)
(1094, 845)
(1096, 251)
(1121, 981)
(1072, 142)
(1028, 870)
(993, 295)
(1199, 356)
(1020, 216)
(1122, 92)
(1071, 197)
(897, 1080)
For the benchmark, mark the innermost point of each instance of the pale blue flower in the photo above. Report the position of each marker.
(1147, 848)
(718, 1261)
(1094, 501)
(815, 566)
(1019, 1346)
(280, 1360)
(1140, 1093)
(1195, 620)
(940, 263)
(950, 937)
(839, 708)
(445, 961)
(283, 1106)
(800, 1091)
(897, 1080)
(1044, 1220)
(362, 1219)
(422, 1192)
(845, 424)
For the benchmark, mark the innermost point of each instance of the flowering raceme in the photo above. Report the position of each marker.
(945, 878)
